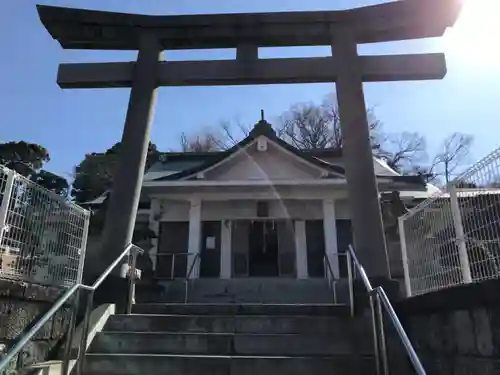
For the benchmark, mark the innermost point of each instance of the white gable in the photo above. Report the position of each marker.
(264, 163)
(381, 168)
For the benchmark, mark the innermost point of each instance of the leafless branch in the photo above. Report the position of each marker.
(199, 143)
(454, 151)
(403, 151)
(308, 125)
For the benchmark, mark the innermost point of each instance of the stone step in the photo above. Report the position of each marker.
(125, 364)
(326, 325)
(244, 290)
(241, 309)
(222, 344)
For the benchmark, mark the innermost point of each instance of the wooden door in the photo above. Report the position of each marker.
(239, 247)
(210, 249)
(173, 238)
(315, 238)
(286, 248)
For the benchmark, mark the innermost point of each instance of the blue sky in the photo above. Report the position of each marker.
(74, 122)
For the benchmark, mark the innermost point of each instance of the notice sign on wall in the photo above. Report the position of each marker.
(210, 243)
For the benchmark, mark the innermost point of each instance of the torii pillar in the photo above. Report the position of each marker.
(366, 215)
(127, 178)
(343, 30)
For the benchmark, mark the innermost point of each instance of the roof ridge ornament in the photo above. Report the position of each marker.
(263, 127)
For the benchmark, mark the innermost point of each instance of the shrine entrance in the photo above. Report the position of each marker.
(342, 30)
(263, 248)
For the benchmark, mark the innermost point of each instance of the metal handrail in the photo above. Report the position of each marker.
(196, 257)
(131, 249)
(174, 257)
(328, 267)
(332, 279)
(330, 276)
(188, 276)
(379, 299)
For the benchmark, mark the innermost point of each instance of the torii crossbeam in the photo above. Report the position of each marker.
(342, 30)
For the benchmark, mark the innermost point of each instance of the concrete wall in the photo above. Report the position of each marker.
(172, 210)
(456, 331)
(217, 210)
(21, 305)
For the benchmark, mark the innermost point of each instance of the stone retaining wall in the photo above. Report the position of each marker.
(21, 304)
(456, 331)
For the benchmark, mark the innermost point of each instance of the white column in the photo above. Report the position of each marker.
(7, 192)
(460, 235)
(225, 250)
(301, 249)
(330, 229)
(404, 255)
(154, 225)
(194, 243)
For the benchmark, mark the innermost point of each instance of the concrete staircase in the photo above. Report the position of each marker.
(228, 339)
(234, 338)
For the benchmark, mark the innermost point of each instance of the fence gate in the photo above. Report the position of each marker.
(42, 235)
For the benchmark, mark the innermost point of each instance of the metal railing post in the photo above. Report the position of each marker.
(71, 332)
(460, 235)
(83, 249)
(330, 278)
(381, 336)
(325, 271)
(350, 281)
(375, 334)
(131, 280)
(172, 271)
(334, 288)
(82, 348)
(404, 255)
(197, 258)
(7, 193)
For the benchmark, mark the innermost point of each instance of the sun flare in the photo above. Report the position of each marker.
(476, 34)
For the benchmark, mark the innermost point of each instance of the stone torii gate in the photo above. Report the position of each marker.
(342, 30)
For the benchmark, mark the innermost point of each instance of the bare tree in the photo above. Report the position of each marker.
(306, 125)
(199, 143)
(404, 151)
(222, 137)
(232, 133)
(454, 152)
(310, 126)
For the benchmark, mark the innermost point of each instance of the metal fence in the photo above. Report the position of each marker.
(453, 237)
(42, 235)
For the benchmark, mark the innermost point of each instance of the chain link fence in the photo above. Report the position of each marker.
(453, 237)
(42, 235)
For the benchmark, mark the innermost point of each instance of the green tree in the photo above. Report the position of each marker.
(94, 175)
(23, 157)
(27, 159)
(52, 182)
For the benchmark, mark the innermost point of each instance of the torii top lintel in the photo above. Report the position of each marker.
(399, 20)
